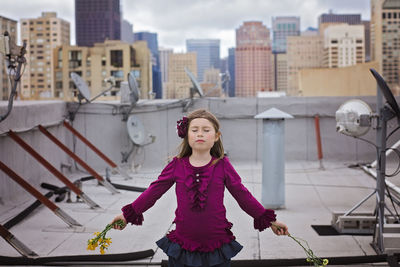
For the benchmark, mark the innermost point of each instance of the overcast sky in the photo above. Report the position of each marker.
(178, 20)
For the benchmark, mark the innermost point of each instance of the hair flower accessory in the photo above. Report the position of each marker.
(181, 127)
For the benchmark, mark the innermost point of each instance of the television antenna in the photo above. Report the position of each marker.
(138, 136)
(133, 95)
(14, 58)
(84, 91)
(354, 119)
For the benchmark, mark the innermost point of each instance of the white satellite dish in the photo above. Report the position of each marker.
(84, 92)
(196, 85)
(353, 118)
(134, 88)
(136, 130)
(133, 95)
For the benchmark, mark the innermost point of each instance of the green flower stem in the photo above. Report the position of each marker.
(310, 254)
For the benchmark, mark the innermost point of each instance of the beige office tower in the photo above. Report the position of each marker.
(305, 51)
(344, 45)
(42, 35)
(164, 54)
(385, 41)
(179, 84)
(281, 71)
(111, 59)
(253, 69)
(10, 26)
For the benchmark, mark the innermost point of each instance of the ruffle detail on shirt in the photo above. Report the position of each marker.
(197, 189)
(131, 216)
(264, 221)
(191, 246)
(188, 258)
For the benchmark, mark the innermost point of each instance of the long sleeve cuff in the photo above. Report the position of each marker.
(264, 221)
(131, 216)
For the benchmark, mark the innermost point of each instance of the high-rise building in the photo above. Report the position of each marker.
(367, 39)
(164, 54)
(179, 84)
(207, 54)
(152, 43)
(385, 48)
(280, 71)
(325, 20)
(231, 69)
(351, 19)
(97, 21)
(305, 51)
(42, 35)
(103, 60)
(127, 32)
(343, 45)
(10, 26)
(281, 28)
(253, 71)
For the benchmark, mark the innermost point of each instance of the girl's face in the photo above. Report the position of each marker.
(202, 135)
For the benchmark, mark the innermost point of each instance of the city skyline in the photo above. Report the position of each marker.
(208, 19)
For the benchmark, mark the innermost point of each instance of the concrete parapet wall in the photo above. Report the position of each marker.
(23, 119)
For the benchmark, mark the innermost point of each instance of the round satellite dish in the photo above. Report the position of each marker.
(133, 87)
(81, 85)
(136, 130)
(387, 93)
(196, 84)
(352, 118)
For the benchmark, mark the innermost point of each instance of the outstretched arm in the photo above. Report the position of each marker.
(262, 217)
(133, 213)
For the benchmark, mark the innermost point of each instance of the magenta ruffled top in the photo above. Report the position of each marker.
(201, 223)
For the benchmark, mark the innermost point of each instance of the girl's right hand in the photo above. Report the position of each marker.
(119, 217)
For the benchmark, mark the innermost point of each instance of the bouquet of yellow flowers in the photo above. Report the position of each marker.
(100, 238)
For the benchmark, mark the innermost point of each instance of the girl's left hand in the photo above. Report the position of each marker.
(279, 228)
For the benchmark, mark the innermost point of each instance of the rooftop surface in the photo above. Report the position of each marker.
(312, 195)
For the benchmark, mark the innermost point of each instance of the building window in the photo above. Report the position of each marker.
(117, 73)
(116, 58)
(75, 59)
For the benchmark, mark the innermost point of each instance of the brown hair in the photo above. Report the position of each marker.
(217, 150)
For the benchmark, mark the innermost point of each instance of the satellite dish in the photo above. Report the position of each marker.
(196, 85)
(84, 92)
(387, 93)
(353, 118)
(136, 130)
(133, 87)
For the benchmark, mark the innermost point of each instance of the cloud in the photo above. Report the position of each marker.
(177, 20)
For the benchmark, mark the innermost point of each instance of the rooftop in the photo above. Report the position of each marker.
(312, 194)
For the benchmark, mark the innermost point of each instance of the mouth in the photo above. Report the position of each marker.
(199, 141)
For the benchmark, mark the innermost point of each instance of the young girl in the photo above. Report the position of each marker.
(201, 172)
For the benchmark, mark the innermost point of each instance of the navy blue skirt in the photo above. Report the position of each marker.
(179, 257)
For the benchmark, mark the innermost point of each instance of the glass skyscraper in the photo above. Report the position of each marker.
(152, 44)
(283, 27)
(97, 21)
(207, 51)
